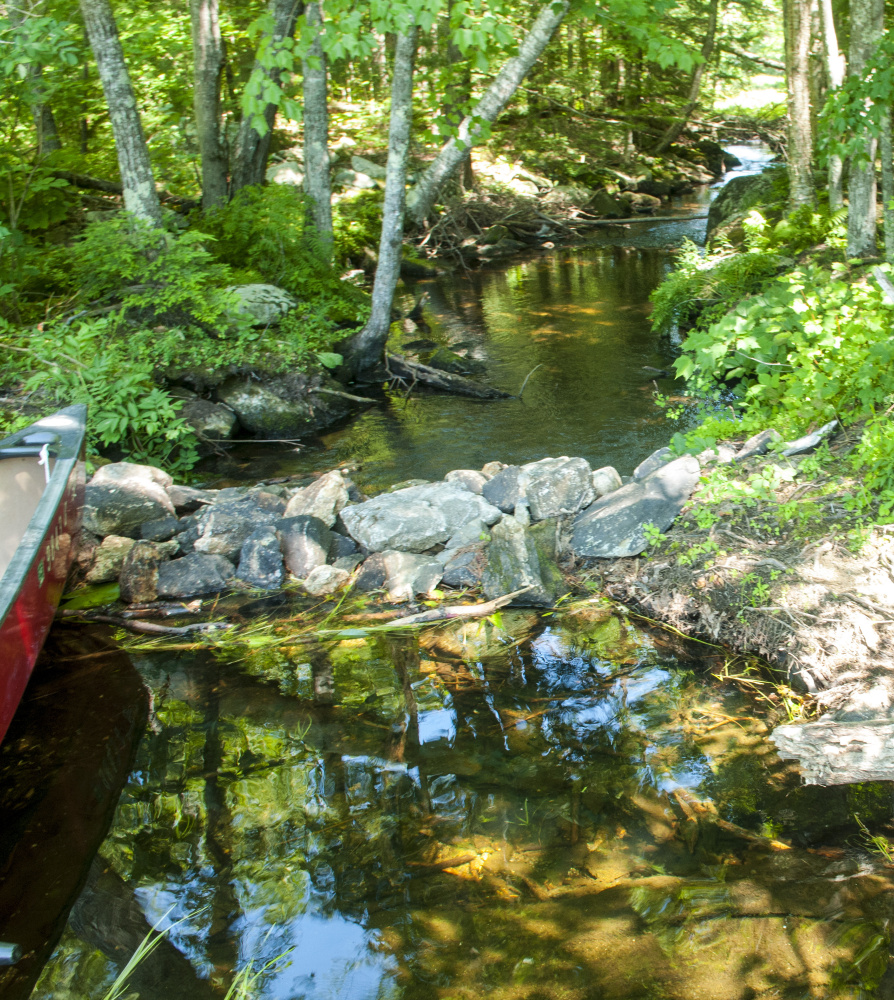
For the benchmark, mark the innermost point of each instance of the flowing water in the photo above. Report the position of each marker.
(536, 806)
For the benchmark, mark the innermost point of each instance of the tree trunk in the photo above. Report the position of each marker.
(796, 24)
(140, 197)
(316, 137)
(886, 151)
(367, 347)
(835, 69)
(673, 132)
(44, 121)
(252, 148)
(208, 60)
(866, 21)
(491, 104)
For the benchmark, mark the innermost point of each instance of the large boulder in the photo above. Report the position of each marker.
(520, 556)
(305, 541)
(264, 305)
(260, 561)
(223, 528)
(415, 519)
(122, 496)
(737, 198)
(265, 411)
(602, 203)
(557, 486)
(364, 166)
(615, 526)
(194, 575)
(139, 574)
(323, 499)
(210, 421)
(108, 558)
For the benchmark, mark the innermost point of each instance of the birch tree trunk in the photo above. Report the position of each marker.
(316, 137)
(208, 61)
(673, 133)
(367, 347)
(835, 69)
(866, 21)
(252, 148)
(140, 196)
(498, 94)
(796, 24)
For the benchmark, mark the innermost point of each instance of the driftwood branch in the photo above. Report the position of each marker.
(445, 381)
(462, 610)
(144, 627)
(345, 395)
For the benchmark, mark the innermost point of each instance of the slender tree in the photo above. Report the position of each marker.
(366, 347)
(673, 132)
(208, 62)
(44, 120)
(495, 98)
(866, 23)
(140, 196)
(316, 135)
(835, 70)
(253, 148)
(796, 23)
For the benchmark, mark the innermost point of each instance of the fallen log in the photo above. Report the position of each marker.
(445, 381)
(829, 752)
(141, 627)
(87, 183)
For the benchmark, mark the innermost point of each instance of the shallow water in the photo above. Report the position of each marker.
(543, 807)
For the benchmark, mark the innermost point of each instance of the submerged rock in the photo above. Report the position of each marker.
(615, 526)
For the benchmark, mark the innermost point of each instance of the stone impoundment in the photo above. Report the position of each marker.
(502, 529)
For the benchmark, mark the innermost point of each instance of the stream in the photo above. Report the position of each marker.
(568, 805)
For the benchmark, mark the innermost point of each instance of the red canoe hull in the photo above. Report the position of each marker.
(30, 614)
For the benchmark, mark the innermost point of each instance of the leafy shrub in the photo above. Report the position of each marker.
(128, 412)
(357, 224)
(263, 228)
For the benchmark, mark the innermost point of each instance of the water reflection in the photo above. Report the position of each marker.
(557, 807)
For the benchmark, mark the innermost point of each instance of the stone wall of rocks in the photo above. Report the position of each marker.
(501, 528)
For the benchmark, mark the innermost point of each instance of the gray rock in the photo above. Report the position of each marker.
(469, 534)
(210, 421)
(325, 580)
(353, 179)
(810, 441)
(408, 574)
(289, 172)
(348, 563)
(341, 547)
(465, 567)
(161, 530)
(467, 478)
(260, 561)
(120, 507)
(491, 469)
(557, 486)
(186, 499)
(721, 454)
(522, 557)
(139, 574)
(652, 463)
(614, 526)
(415, 519)
(503, 489)
(372, 574)
(737, 197)
(364, 166)
(222, 528)
(522, 513)
(305, 541)
(323, 499)
(265, 409)
(502, 248)
(758, 444)
(606, 480)
(108, 558)
(262, 304)
(194, 575)
(130, 472)
(570, 195)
